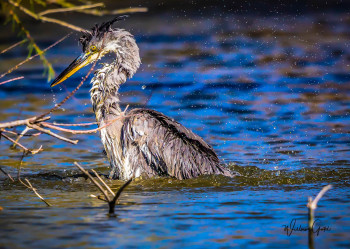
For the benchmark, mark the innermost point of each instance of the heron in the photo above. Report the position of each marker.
(142, 142)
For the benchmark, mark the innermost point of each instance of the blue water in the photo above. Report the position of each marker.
(271, 95)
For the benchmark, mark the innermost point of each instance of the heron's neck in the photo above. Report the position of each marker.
(104, 91)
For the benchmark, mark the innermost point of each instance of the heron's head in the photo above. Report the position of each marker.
(103, 39)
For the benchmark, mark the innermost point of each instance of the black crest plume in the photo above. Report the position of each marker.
(99, 30)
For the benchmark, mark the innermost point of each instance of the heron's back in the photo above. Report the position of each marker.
(146, 142)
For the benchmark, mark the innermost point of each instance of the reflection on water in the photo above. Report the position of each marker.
(272, 97)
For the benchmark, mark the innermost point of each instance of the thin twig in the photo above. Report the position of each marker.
(10, 80)
(20, 164)
(319, 196)
(103, 182)
(81, 124)
(33, 56)
(31, 120)
(115, 12)
(21, 135)
(7, 174)
(37, 150)
(75, 8)
(18, 134)
(13, 46)
(48, 132)
(94, 181)
(127, 10)
(24, 135)
(13, 141)
(81, 131)
(22, 146)
(69, 130)
(126, 108)
(30, 186)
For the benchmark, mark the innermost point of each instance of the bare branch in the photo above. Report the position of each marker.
(81, 131)
(13, 46)
(69, 130)
(24, 135)
(115, 12)
(94, 181)
(75, 8)
(13, 141)
(7, 174)
(30, 186)
(52, 126)
(21, 135)
(31, 120)
(103, 182)
(20, 165)
(127, 10)
(313, 203)
(48, 132)
(37, 150)
(111, 201)
(10, 80)
(81, 124)
(126, 108)
(22, 146)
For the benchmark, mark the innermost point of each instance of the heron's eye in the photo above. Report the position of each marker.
(93, 48)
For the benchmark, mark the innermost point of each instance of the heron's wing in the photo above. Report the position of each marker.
(168, 147)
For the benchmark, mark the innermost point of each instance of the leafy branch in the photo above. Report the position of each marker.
(33, 45)
(12, 9)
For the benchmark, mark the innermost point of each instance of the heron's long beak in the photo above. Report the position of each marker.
(78, 63)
